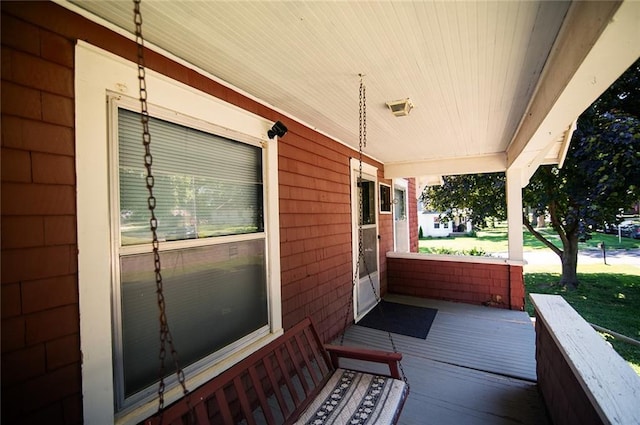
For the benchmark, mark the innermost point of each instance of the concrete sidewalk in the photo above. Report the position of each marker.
(590, 256)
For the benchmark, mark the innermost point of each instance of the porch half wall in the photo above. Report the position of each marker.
(473, 280)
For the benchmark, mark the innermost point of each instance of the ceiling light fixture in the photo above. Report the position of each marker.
(400, 108)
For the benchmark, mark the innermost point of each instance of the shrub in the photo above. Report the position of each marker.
(475, 252)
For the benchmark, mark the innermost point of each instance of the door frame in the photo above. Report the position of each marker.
(371, 173)
(400, 184)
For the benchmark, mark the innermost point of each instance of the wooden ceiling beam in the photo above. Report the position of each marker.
(598, 42)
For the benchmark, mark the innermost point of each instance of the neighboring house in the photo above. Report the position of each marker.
(257, 233)
(433, 225)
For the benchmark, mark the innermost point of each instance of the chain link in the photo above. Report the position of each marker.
(362, 142)
(364, 118)
(165, 334)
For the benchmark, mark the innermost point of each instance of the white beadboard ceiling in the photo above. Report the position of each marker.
(471, 68)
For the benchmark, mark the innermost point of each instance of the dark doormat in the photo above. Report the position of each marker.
(401, 319)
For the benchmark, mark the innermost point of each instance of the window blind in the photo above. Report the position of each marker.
(215, 295)
(205, 185)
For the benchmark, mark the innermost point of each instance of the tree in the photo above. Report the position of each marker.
(600, 175)
(481, 195)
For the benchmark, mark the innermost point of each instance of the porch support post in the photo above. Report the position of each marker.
(514, 213)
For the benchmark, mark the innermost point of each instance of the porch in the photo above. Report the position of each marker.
(476, 366)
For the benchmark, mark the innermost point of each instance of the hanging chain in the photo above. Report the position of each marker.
(362, 136)
(362, 142)
(165, 333)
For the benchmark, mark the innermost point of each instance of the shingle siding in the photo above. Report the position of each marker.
(40, 307)
(497, 285)
(40, 319)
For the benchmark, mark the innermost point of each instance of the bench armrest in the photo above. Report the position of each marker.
(391, 359)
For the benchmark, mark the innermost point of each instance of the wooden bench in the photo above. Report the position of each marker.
(296, 379)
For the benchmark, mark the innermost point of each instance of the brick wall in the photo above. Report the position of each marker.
(566, 400)
(496, 285)
(40, 323)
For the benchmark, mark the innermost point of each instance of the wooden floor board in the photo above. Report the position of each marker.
(476, 366)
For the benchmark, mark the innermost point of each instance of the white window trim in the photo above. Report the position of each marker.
(96, 73)
(382, 212)
(117, 102)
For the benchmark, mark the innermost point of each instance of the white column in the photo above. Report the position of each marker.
(514, 213)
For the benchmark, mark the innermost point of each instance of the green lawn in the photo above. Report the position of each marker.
(495, 240)
(608, 296)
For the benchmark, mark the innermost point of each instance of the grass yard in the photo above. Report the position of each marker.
(609, 295)
(495, 240)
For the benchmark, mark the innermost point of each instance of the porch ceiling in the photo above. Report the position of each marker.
(494, 84)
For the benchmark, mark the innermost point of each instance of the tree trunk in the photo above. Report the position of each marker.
(569, 260)
(568, 254)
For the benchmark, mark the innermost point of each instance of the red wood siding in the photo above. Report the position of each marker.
(385, 232)
(40, 318)
(40, 323)
(413, 215)
(497, 285)
(315, 229)
(566, 400)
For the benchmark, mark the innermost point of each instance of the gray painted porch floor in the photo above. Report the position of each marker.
(476, 366)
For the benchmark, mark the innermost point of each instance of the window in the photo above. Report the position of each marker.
(436, 225)
(114, 265)
(400, 204)
(385, 198)
(205, 185)
(368, 197)
(209, 205)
